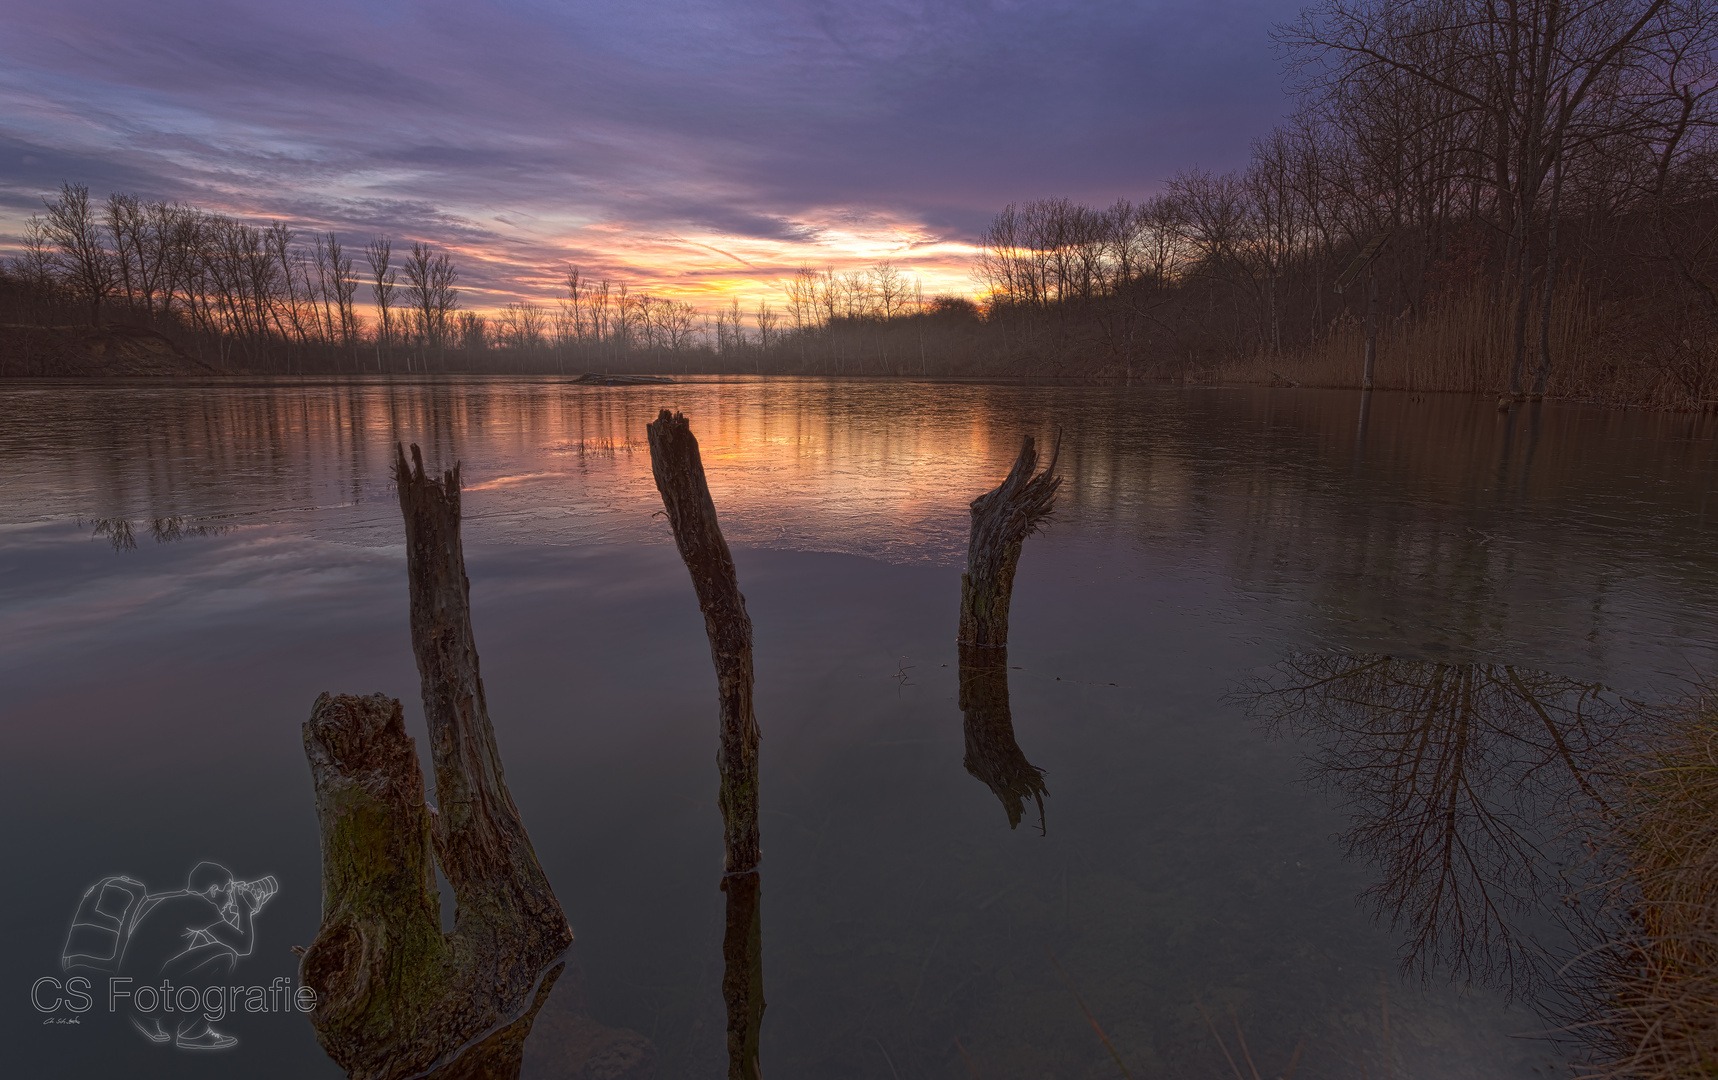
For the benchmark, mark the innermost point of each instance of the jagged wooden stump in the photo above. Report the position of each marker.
(1002, 519)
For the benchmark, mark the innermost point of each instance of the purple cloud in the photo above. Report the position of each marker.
(691, 144)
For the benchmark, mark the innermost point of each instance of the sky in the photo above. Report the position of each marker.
(692, 148)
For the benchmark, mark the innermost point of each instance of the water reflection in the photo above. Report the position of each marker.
(1272, 487)
(122, 534)
(992, 754)
(1466, 786)
(743, 972)
(1204, 531)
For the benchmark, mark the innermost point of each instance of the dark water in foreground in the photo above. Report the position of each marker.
(184, 567)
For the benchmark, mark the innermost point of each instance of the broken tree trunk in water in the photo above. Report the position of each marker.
(396, 996)
(1002, 519)
(992, 754)
(679, 472)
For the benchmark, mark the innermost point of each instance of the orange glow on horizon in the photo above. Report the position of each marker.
(709, 270)
(507, 256)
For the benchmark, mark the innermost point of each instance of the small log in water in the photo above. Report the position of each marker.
(992, 754)
(396, 996)
(1002, 519)
(679, 472)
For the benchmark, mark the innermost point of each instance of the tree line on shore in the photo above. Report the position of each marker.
(1540, 176)
(1536, 181)
(267, 298)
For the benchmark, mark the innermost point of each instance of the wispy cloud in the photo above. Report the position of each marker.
(693, 146)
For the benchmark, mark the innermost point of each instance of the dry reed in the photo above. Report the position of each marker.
(1652, 1001)
(1465, 343)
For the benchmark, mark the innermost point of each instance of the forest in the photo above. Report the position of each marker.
(1514, 198)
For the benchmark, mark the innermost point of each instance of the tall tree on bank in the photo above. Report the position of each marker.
(1531, 78)
(86, 262)
(430, 277)
(384, 282)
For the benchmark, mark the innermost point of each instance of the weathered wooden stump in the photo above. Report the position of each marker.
(396, 996)
(992, 754)
(679, 472)
(1002, 519)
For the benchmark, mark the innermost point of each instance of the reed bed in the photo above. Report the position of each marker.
(1464, 344)
(1651, 1001)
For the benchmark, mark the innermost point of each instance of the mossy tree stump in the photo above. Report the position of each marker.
(396, 996)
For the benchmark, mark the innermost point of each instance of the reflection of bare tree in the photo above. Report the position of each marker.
(122, 534)
(1454, 776)
(992, 755)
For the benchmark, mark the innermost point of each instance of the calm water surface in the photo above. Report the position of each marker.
(184, 567)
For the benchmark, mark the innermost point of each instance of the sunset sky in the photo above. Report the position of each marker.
(690, 147)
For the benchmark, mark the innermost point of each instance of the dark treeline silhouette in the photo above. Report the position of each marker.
(1541, 175)
(239, 296)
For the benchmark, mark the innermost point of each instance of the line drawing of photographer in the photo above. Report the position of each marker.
(191, 939)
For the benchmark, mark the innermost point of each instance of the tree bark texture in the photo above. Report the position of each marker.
(743, 973)
(679, 473)
(1002, 519)
(992, 754)
(398, 997)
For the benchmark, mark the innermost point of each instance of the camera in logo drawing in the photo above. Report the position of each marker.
(189, 940)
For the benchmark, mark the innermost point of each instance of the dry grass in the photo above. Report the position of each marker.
(1464, 344)
(1653, 999)
(596, 446)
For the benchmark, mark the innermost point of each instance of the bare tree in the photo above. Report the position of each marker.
(86, 261)
(430, 277)
(766, 320)
(379, 252)
(473, 331)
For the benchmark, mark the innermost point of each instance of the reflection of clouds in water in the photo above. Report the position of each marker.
(122, 533)
(1469, 788)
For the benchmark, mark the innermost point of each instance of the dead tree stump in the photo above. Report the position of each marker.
(679, 472)
(1002, 519)
(396, 996)
(992, 753)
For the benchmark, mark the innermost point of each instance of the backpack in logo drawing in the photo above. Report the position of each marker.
(106, 915)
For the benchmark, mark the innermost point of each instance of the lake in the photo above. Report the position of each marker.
(185, 566)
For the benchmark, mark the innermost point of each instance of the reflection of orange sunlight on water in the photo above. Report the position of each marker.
(827, 464)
